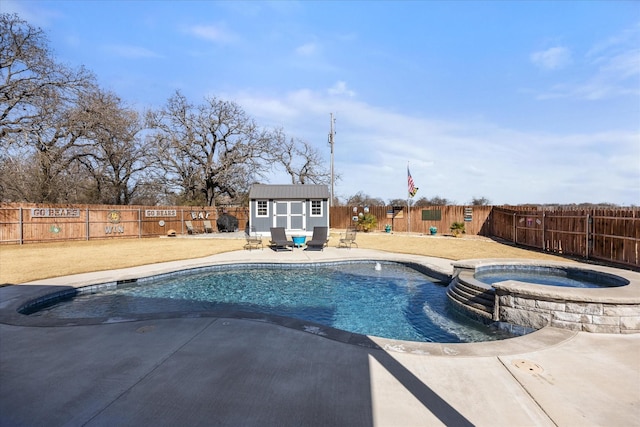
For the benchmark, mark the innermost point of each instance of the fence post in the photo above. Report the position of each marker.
(139, 223)
(515, 229)
(543, 245)
(21, 225)
(587, 224)
(87, 223)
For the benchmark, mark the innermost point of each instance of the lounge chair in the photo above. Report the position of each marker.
(253, 242)
(279, 239)
(208, 228)
(348, 240)
(190, 228)
(319, 238)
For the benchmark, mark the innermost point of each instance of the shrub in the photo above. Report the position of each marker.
(457, 228)
(367, 222)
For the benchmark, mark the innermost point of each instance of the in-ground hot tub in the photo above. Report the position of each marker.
(535, 294)
(548, 275)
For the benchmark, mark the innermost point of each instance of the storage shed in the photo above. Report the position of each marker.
(297, 208)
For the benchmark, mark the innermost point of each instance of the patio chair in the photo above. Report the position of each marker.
(190, 228)
(319, 238)
(208, 228)
(253, 242)
(279, 239)
(348, 240)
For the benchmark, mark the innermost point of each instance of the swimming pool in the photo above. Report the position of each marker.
(394, 301)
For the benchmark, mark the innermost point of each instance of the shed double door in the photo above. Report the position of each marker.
(289, 214)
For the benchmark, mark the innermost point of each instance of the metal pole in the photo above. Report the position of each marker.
(331, 135)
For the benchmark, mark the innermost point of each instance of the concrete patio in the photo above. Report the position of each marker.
(242, 371)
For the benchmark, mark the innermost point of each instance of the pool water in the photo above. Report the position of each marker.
(394, 302)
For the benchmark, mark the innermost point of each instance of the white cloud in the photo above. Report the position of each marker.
(340, 88)
(126, 51)
(212, 33)
(307, 49)
(613, 77)
(277, 110)
(309, 58)
(33, 13)
(554, 58)
(625, 38)
(613, 68)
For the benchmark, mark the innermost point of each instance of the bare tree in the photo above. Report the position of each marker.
(480, 201)
(115, 157)
(302, 162)
(37, 98)
(361, 199)
(28, 76)
(13, 186)
(53, 145)
(434, 201)
(400, 202)
(207, 150)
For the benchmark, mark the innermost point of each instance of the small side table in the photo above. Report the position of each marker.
(298, 241)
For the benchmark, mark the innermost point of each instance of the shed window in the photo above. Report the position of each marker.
(262, 208)
(316, 208)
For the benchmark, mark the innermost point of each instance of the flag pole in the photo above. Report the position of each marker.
(411, 190)
(408, 206)
(409, 217)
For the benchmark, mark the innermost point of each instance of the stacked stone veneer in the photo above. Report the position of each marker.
(536, 311)
(605, 310)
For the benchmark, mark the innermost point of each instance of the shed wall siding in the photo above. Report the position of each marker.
(276, 219)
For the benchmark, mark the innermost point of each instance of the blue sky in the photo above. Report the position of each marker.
(518, 102)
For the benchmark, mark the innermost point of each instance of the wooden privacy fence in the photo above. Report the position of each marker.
(39, 223)
(603, 234)
(416, 219)
(28, 223)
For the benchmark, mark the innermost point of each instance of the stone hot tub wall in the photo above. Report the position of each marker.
(536, 310)
(602, 310)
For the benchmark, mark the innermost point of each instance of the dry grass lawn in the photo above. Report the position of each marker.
(20, 264)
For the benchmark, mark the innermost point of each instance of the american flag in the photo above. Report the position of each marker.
(412, 188)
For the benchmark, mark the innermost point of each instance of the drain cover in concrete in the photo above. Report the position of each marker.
(528, 366)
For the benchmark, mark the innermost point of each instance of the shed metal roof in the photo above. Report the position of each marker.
(291, 191)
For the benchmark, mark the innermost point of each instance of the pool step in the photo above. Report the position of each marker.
(472, 295)
(479, 301)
